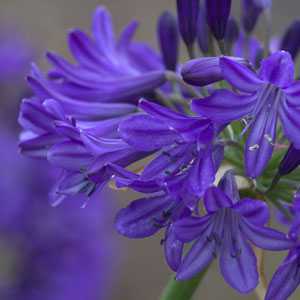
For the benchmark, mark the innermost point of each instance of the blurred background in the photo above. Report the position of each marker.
(69, 252)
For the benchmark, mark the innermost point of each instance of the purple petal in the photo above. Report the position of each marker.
(286, 278)
(146, 134)
(199, 257)
(260, 142)
(127, 35)
(173, 249)
(290, 40)
(266, 238)
(102, 28)
(278, 69)
(38, 147)
(143, 217)
(69, 155)
(190, 128)
(238, 264)
(229, 186)
(240, 76)
(215, 199)
(224, 106)
(290, 161)
(255, 211)
(189, 229)
(290, 120)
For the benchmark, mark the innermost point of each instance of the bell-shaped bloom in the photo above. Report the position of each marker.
(218, 12)
(186, 158)
(290, 161)
(227, 231)
(287, 277)
(270, 95)
(168, 38)
(291, 39)
(187, 12)
(205, 70)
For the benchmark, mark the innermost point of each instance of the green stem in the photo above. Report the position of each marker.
(182, 290)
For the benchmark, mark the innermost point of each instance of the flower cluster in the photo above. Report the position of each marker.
(235, 100)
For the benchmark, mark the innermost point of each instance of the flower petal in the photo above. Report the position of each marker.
(285, 280)
(260, 142)
(215, 199)
(199, 257)
(278, 69)
(173, 249)
(145, 133)
(240, 76)
(143, 217)
(266, 238)
(224, 106)
(239, 269)
(229, 186)
(255, 211)
(189, 229)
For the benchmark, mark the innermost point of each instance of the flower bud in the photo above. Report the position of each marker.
(291, 39)
(218, 12)
(187, 11)
(290, 161)
(204, 71)
(202, 30)
(168, 39)
(232, 33)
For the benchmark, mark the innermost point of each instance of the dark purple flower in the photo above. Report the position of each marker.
(225, 231)
(291, 39)
(187, 12)
(168, 39)
(271, 94)
(218, 12)
(205, 70)
(232, 33)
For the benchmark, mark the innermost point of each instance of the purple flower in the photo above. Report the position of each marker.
(73, 117)
(51, 253)
(186, 160)
(291, 39)
(168, 39)
(271, 94)
(232, 33)
(287, 277)
(225, 231)
(217, 16)
(187, 12)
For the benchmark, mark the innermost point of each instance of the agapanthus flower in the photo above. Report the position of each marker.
(73, 117)
(227, 230)
(287, 277)
(290, 161)
(271, 94)
(50, 253)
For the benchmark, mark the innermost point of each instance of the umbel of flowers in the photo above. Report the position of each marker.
(235, 102)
